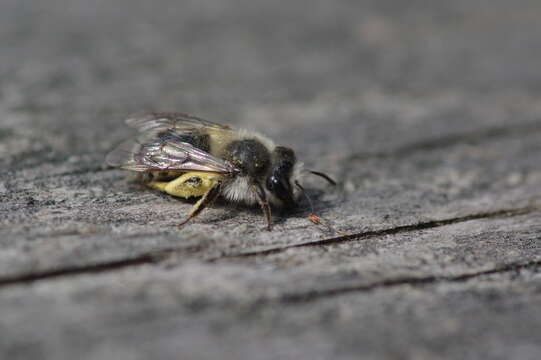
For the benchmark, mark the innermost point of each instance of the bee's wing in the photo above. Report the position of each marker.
(179, 122)
(166, 151)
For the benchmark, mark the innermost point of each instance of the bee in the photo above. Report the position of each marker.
(187, 157)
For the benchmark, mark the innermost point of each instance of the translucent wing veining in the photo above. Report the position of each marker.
(160, 146)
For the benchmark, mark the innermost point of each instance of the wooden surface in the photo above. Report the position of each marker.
(428, 114)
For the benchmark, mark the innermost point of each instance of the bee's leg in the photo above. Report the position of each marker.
(207, 199)
(158, 185)
(192, 184)
(187, 185)
(264, 203)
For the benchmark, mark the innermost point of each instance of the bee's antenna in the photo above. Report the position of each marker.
(325, 176)
(313, 217)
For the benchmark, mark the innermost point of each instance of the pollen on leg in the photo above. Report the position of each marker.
(158, 185)
(193, 182)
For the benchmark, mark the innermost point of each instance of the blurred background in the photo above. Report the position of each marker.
(340, 70)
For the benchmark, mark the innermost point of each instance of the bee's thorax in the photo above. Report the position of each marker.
(250, 156)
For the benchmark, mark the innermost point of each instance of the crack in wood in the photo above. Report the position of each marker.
(157, 256)
(410, 281)
(391, 231)
(146, 258)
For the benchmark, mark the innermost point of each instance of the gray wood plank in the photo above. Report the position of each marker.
(437, 290)
(427, 114)
(99, 217)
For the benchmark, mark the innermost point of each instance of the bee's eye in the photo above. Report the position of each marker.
(272, 183)
(279, 186)
(278, 181)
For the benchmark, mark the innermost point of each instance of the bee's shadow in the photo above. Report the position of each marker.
(316, 205)
(312, 202)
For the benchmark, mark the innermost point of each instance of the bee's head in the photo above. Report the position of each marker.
(279, 179)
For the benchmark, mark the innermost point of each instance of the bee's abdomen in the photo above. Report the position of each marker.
(197, 139)
(249, 155)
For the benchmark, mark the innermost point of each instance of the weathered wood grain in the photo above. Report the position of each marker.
(427, 114)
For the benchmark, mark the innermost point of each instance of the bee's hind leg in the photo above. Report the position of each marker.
(158, 185)
(207, 200)
(192, 184)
